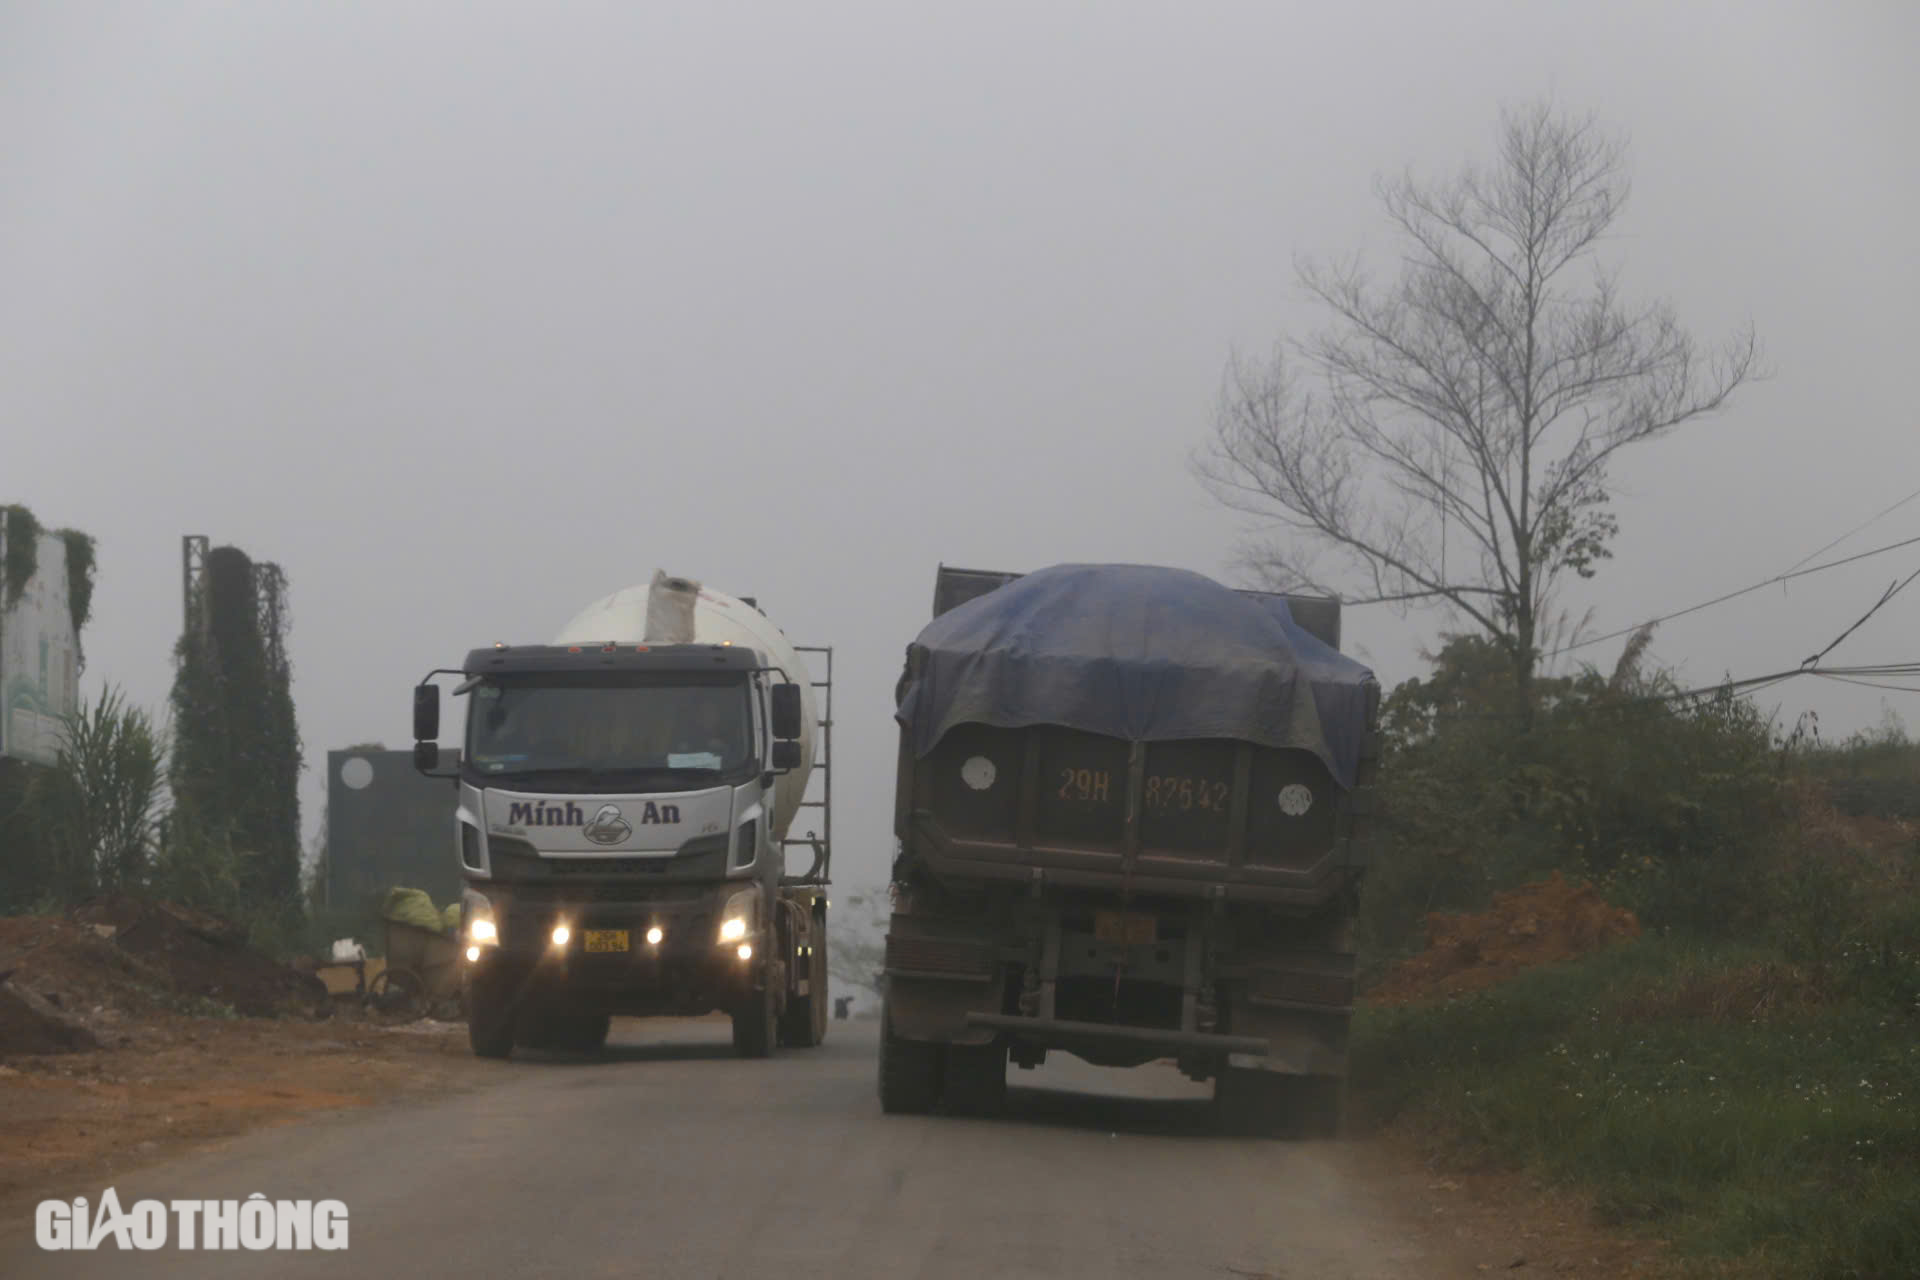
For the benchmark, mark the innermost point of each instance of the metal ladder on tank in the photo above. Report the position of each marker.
(822, 844)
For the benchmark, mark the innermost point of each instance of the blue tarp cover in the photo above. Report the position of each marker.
(1138, 653)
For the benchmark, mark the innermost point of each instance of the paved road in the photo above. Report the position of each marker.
(670, 1158)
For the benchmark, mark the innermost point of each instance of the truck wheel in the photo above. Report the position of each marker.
(536, 1030)
(909, 1072)
(584, 1033)
(1270, 1105)
(976, 1079)
(1317, 1105)
(818, 986)
(804, 1024)
(756, 1024)
(1250, 1103)
(490, 1017)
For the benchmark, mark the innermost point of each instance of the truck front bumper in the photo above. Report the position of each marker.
(607, 964)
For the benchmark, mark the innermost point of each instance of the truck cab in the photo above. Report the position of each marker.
(613, 829)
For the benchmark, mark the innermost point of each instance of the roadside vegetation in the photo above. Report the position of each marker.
(1743, 1078)
(201, 808)
(1739, 1076)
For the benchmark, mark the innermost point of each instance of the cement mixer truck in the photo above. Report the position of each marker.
(626, 796)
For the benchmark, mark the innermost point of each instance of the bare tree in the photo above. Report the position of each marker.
(1451, 441)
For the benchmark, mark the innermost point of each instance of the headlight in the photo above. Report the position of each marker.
(481, 929)
(737, 918)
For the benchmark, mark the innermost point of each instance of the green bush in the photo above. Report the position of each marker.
(1675, 807)
(1745, 1078)
(1783, 1127)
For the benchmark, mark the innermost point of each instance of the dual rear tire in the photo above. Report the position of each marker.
(1268, 1104)
(920, 1076)
(804, 1024)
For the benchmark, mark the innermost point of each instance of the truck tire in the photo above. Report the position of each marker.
(910, 1071)
(804, 1024)
(584, 1033)
(1317, 1105)
(1269, 1105)
(976, 1083)
(490, 1017)
(534, 1029)
(1250, 1103)
(756, 1024)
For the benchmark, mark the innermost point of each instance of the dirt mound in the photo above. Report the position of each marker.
(203, 955)
(1542, 923)
(77, 968)
(29, 1024)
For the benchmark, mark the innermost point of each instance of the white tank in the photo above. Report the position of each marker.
(670, 605)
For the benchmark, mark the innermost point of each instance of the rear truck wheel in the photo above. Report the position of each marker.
(536, 1029)
(1317, 1105)
(819, 985)
(489, 1016)
(584, 1033)
(1250, 1103)
(756, 1022)
(1270, 1105)
(804, 1024)
(910, 1071)
(976, 1083)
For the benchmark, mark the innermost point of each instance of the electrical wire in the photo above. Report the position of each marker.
(1887, 595)
(1731, 595)
(1870, 520)
(1867, 684)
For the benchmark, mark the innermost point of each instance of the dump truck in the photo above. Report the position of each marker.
(625, 800)
(1131, 806)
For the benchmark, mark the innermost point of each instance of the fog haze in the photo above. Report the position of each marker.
(466, 314)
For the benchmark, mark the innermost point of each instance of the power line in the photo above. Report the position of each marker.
(1731, 595)
(1744, 687)
(1885, 596)
(1869, 521)
(1867, 684)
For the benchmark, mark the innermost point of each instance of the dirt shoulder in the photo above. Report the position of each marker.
(1498, 1220)
(171, 1085)
(122, 1044)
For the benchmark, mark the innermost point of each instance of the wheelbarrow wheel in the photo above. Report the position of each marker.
(397, 993)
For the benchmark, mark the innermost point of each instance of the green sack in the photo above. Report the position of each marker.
(450, 918)
(412, 906)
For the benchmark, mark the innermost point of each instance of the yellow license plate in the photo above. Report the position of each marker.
(605, 940)
(1124, 928)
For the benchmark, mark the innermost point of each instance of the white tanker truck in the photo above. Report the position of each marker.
(625, 798)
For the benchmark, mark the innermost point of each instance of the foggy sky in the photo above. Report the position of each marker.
(466, 314)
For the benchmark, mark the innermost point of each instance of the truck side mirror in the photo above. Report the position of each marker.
(426, 714)
(786, 755)
(426, 756)
(786, 712)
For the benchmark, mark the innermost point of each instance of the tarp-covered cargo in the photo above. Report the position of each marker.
(1138, 653)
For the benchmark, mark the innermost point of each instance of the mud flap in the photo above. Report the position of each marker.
(937, 1009)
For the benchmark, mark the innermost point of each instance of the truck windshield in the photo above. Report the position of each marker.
(585, 729)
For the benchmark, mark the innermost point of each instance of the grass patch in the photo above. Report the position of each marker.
(1717, 1096)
